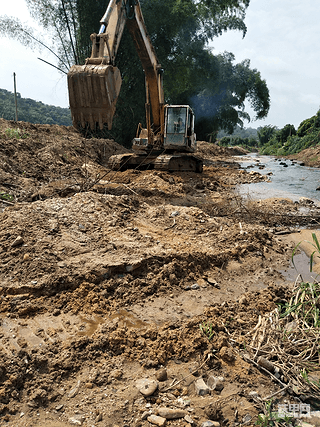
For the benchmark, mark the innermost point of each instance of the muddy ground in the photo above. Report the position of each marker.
(107, 278)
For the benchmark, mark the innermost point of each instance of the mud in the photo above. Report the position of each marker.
(107, 278)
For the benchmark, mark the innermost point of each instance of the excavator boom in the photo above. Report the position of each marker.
(94, 87)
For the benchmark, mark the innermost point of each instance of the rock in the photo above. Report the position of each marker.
(158, 421)
(210, 424)
(98, 418)
(171, 414)
(145, 415)
(213, 411)
(227, 354)
(59, 407)
(265, 363)
(161, 375)
(247, 418)
(132, 267)
(17, 242)
(243, 300)
(77, 420)
(215, 383)
(175, 213)
(195, 286)
(318, 189)
(74, 391)
(201, 387)
(306, 201)
(146, 386)
(189, 419)
(254, 394)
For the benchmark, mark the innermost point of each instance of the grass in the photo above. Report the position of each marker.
(207, 330)
(6, 196)
(270, 418)
(15, 133)
(316, 246)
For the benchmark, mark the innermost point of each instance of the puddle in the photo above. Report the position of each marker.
(125, 318)
(89, 326)
(300, 266)
(128, 319)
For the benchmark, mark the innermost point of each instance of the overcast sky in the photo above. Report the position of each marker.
(282, 43)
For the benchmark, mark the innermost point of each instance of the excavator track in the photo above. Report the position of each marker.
(178, 163)
(170, 163)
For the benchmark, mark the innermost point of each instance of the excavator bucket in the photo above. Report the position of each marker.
(93, 94)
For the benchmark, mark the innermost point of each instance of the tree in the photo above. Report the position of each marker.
(265, 133)
(180, 31)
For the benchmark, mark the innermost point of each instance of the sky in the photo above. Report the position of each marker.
(282, 43)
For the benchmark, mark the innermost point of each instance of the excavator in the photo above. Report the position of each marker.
(168, 139)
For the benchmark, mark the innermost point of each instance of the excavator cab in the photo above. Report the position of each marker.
(179, 129)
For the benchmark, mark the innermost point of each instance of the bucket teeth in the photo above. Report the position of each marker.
(93, 94)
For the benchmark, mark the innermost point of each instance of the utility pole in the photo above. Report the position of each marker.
(15, 95)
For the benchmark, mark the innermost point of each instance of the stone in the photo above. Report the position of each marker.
(243, 300)
(162, 375)
(254, 394)
(306, 201)
(17, 242)
(146, 386)
(158, 421)
(74, 390)
(265, 363)
(145, 415)
(247, 418)
(189, 419)
(210, 424)
(227, 354)
(98, 418)
(215, 383)
(76, 420)
(171, 414)
(59, 407)
(195, 286)
(175, 213)
(201, 387)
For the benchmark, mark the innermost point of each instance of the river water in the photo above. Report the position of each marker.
(293, 181)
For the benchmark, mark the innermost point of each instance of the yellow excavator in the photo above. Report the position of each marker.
(94, 88)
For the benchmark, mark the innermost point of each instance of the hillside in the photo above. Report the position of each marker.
(32, 111)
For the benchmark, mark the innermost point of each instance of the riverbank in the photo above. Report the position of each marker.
(121, 294)
(310, 156)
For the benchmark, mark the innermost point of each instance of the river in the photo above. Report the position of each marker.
(293, 181)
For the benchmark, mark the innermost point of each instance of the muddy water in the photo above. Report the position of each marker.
(291, 181)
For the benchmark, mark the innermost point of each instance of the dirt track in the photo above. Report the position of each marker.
(107, 278)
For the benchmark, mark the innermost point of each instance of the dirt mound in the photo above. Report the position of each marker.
(309, 157)
(108, 278)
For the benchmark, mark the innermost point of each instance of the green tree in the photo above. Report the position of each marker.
(180, 32)
(265, 133)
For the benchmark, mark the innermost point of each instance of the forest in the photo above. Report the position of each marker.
(32, 111)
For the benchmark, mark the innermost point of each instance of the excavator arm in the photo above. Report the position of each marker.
(94, 87)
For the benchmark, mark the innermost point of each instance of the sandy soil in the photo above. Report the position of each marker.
(107, 278)
(309, 156)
